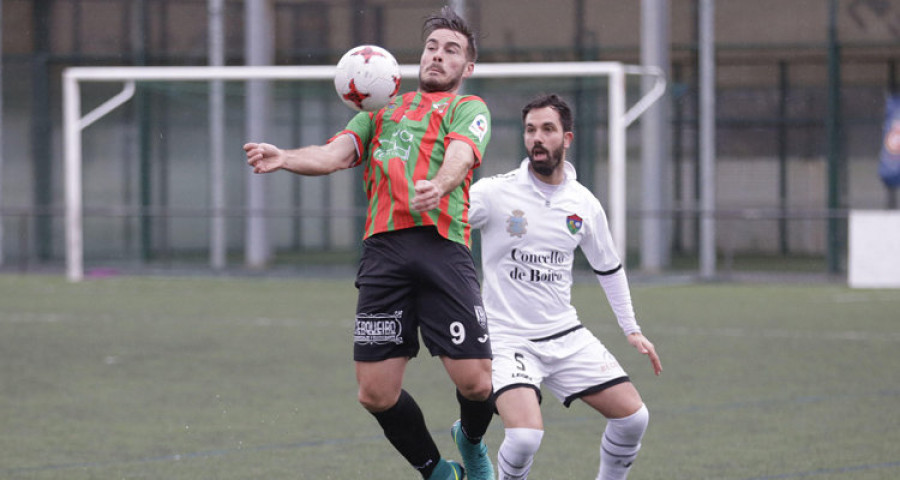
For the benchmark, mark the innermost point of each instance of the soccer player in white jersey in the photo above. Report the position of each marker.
(532, 219)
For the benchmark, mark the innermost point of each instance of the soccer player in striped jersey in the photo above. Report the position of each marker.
(416, 272)
(531, 220)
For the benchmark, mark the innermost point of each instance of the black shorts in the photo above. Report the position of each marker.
(411, 280)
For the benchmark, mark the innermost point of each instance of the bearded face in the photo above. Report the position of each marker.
(545, 162)
(546, 143)
(439, 81)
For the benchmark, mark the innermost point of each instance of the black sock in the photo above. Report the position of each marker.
(404, 426)
(474, 417)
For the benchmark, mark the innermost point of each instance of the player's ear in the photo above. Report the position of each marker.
(470, 68)
(567, 139)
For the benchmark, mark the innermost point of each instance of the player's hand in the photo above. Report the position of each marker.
(640, 342)
(263, 157)
(428, 196)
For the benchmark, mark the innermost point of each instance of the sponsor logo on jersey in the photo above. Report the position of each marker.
(516, 224)
(574, 222)
(551, 257)
(479, 127)
(397, 146)
(440, 107)
(378, 328)
(538, 266)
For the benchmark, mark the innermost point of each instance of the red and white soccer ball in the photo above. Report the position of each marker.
(367, 78)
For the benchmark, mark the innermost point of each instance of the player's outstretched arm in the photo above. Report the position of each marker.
(312, 160)
(640, 342)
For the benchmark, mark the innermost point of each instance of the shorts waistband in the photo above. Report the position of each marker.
(557, 335)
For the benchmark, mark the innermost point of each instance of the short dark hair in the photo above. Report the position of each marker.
(448, 19)
(555, 102)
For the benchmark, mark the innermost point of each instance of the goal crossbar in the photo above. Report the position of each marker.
(620, 117)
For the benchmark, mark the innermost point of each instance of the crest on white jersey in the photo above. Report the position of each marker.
(516, 223)
(574, 223)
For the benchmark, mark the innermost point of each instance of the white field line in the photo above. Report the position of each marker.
(31, 317)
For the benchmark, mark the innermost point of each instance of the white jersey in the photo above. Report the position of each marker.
(528, 245)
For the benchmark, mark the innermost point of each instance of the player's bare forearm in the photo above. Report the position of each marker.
(458, 160)
(312, 161)
(315, 160)
(453, 172)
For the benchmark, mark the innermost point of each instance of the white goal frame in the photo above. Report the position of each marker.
(620, 117)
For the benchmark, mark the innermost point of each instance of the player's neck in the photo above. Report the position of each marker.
(555, 178)
(454, 91)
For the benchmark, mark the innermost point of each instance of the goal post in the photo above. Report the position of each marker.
(620, 116)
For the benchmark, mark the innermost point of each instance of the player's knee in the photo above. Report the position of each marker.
(516, 453)
(375, 401)
(522, 442)
(476, 389)
(629, 430)
(640, 419)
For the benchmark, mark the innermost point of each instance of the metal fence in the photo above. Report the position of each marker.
(142, 201)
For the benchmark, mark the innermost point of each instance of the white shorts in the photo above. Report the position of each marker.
(570, 366)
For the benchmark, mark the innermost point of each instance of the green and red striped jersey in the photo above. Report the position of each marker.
(405, 142)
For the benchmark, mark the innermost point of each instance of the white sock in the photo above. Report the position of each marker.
(620, 445)
(516, 453)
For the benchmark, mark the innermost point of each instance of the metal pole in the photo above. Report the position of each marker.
(656, 178)
(1, 134)
(137, 137)
(72, 166)
(42, 129)
(707, 140)
(259, 50)
(835, 145)
(143, 122)
(678, 190)
(892, 89)
(783, 91)
(217, 244)
(586, 100)
(617, 168)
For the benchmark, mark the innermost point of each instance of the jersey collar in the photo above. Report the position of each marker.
(522, 174)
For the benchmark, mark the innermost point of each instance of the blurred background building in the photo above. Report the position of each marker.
(800, 103)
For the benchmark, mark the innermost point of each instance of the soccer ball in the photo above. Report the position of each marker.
(367, 78)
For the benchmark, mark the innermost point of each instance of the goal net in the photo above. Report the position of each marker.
(166, 171)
